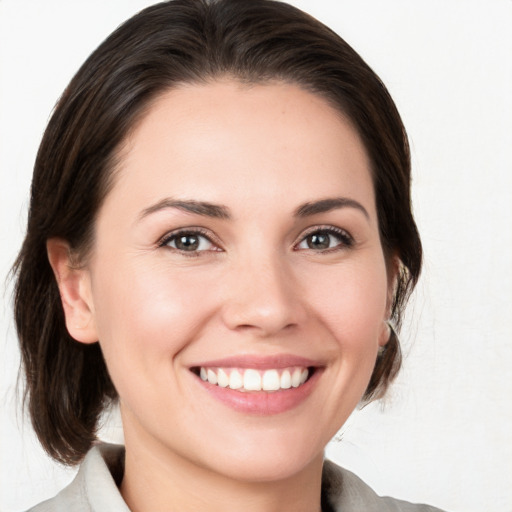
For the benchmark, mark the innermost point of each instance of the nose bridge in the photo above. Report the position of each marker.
(262, 294)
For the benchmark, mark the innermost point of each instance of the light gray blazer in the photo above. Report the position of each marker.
(95, 489)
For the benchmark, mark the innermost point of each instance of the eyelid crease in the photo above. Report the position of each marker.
(326, 228)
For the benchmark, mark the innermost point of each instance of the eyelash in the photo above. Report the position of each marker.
(345, 240)
(191, 232)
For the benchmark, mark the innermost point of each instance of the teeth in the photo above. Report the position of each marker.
(222, 378)
(212, 376)
(236, 380)
(296, 378)
(255, 380)
(252, 380)
(286, 380)
(271, 381)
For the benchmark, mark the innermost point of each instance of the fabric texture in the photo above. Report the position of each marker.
(95, 489)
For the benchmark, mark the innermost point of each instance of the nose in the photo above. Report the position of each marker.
(262, 296)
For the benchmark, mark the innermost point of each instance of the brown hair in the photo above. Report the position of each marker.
(181, 41)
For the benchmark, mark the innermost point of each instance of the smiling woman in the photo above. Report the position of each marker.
(220, 238)
(268, 272)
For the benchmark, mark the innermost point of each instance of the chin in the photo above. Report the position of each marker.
(272, 455)
(268, 467)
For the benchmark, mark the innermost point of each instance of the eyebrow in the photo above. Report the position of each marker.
(222, 212)
(198, 207)
(326, 205)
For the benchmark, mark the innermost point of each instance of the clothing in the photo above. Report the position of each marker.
(95, 489)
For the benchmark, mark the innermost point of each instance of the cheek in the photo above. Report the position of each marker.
(145, 316)
(352, 300)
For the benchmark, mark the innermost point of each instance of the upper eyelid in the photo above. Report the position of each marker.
(324, 227)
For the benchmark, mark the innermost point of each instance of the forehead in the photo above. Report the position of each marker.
(225, 141)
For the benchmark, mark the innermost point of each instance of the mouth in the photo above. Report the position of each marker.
(253, 379)
(259, 385)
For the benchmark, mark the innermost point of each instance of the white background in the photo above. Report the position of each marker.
(444, 434)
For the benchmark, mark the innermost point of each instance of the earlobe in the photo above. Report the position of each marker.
(385, 334)
(75, 291)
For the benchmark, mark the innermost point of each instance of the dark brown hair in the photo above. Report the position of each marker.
(182, 41)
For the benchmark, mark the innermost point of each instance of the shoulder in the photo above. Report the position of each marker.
(344, 491)
(95, 487)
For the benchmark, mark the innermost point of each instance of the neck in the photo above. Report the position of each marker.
(156, 479)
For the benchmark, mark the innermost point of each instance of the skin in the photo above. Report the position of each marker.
(254, 288)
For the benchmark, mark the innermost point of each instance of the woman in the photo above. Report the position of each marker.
(220, 237)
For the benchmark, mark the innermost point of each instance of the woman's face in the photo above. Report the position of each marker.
(240, 245)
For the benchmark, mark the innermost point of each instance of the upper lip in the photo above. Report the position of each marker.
(259, 362)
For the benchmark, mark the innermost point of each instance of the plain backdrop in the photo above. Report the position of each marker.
(444, 433)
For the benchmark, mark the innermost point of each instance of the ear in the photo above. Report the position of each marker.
(75, 291)
(393, 268)
(393, 271)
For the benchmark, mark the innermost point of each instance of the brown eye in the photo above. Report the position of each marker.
(189, 241)
(318, 241)
(326, 239)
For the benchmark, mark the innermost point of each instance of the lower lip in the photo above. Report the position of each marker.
(263, 402)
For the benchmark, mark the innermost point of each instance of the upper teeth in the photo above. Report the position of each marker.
(255, 380)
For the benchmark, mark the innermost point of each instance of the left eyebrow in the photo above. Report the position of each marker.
(198, 207)
(326, 205)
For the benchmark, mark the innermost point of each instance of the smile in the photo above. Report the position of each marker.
(250, 379)
(259, 385)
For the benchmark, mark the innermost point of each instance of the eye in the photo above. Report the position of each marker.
(189, 241)
(326, 239)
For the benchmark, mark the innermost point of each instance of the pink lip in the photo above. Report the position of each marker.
(261, 403)
(259, 362)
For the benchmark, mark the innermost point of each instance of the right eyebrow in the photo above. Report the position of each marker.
(216, 211)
